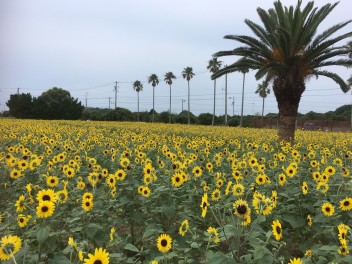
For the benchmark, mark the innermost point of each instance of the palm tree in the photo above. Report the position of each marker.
(188, 75)
(263, 92)
(214, 66)
(168, 79)
(287, 51)
(137, 86)
(153, 78)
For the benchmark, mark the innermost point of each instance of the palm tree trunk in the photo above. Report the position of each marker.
(188, 117)
(170, 107)
(137, 106)
(241, 120)
(213, 120)
(263, 109)
(153, 102)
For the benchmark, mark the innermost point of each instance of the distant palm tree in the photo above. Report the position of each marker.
(168, 79)
(214, 66)
(137, 86)
(288, 51)
(188, 75)
(155, 81)
(263, 92)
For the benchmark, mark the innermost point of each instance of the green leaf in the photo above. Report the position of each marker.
(194, 245)
(42, 234)
(219, 258)
(131, 247)
(92, 229)
(59, 259)
(295, 221)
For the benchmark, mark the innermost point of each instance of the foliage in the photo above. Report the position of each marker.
(247, 198)
(20, 105)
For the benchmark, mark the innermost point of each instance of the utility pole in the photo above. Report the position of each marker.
(225, 99)
(109, 102)
(86, 101)
(233, 105)
(18, 91)
(183, 100)
(115, 88)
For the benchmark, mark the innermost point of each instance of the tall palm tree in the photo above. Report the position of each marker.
(168, 79)
(137, 86)
(214, 66)
(287, 51)
(188, 75)
(263, 92)
(153, 78)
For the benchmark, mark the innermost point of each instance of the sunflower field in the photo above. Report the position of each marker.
(119, 192)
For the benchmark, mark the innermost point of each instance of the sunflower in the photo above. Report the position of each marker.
(260, 179)
(213, 234)
(215, 195)
(87, 205)
(343, 250)
(228, 187)
(330, 170)
(241, 208)
(346, 204)
(10, 245)
(282, 179)
(81, 185)
(237, 175)
(20, 206)
(45, 209)
(15, 173)
(52, 181)
(252, 162)
(304, 188)
(46, 195)
(111, 181)
(323, 187)
(295, 261)
(204, 204)
(345, 172)
(164, 243)
(100, 257)
(328, 209)
(62, 196)
(309, 220)
(23, 164)
(147, 179)
(120, 175)
(197, 171)
(238, 189)
(23, 220)
(146, 191)
(177, 180)
(209, 166)
(184, 227)
(277, 231)
(291, 171)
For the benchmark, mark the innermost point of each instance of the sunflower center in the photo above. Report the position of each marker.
(52, 181)
(177, 179)
(204, 205)
(242, 209)
(343, 235)
(45, 209)
(164, 242)
(46, 197)
(98, 261)
(278, 230)
(87, 204)
(21, 220)
(327, 209)
(346, 203)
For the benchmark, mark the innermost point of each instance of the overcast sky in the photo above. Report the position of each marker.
(85, 46)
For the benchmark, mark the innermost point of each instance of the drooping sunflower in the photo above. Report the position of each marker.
(10, 245)
(45, 209)
(164, 243)
(238, 189)
(100, 257)
(46, 195)
(346, 204)
(62, 196)
(214, 235)
(204, 204)
(309, 220)
(328, 209)
(147, 179)
(228, 188)
(52, 181)
(277, 230)
(304, 188)
(20, 205)
(184, 227)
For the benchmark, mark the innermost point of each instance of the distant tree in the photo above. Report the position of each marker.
(20, 105)
(214, 66)
(206, 119)
(57, 103)
(168, 79)
(164, 117)
(188, 75)
(287, 50)
(137, 86)
(153, 78)
(263, 92)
